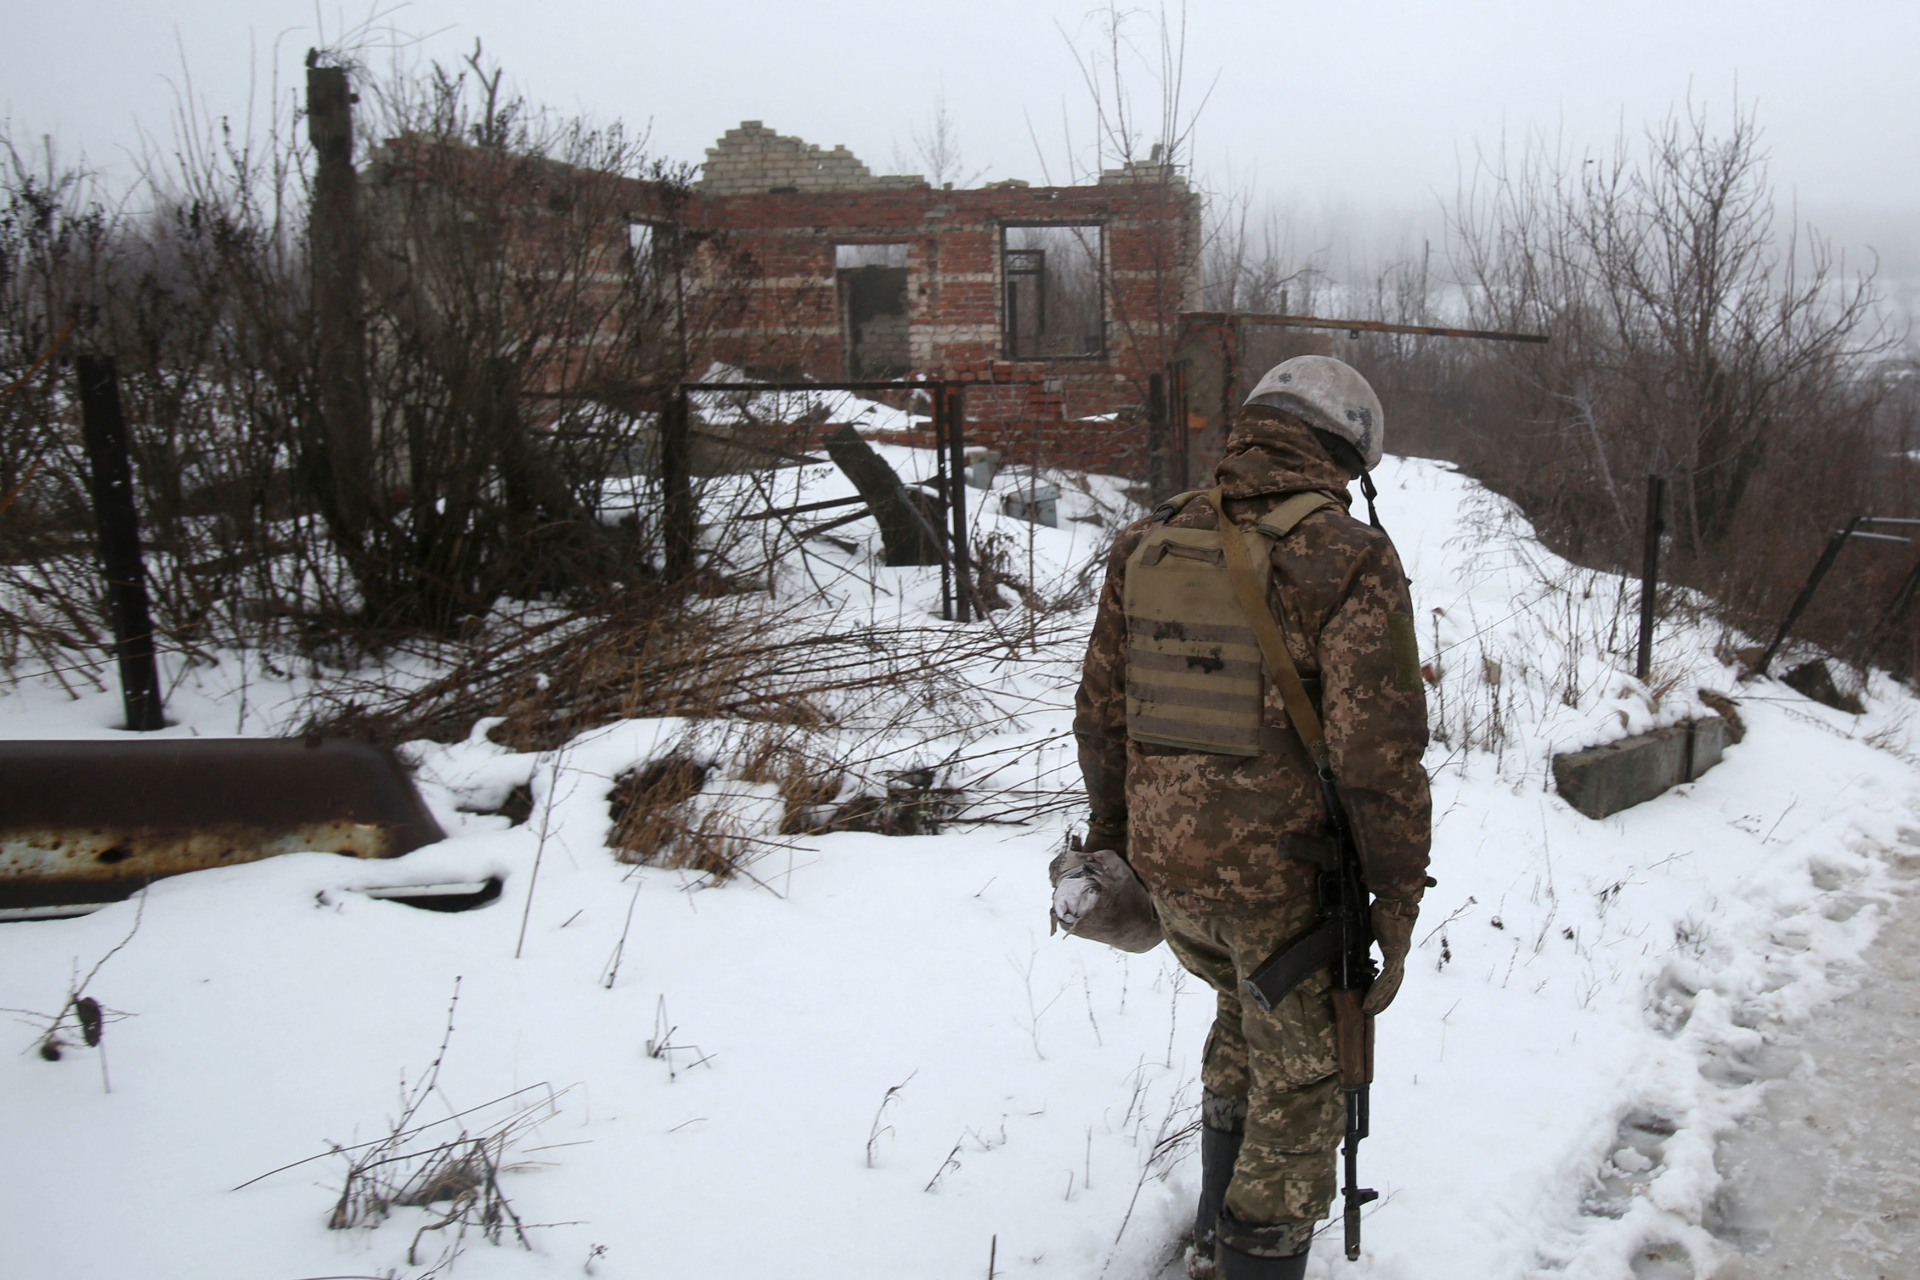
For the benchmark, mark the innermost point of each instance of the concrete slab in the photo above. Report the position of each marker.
(1606, 779)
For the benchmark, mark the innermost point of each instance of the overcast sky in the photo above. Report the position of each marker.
(1368, 107)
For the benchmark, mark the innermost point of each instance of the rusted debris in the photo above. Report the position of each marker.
(94, 821)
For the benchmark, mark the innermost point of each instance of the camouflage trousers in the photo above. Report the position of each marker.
(1278, 1066)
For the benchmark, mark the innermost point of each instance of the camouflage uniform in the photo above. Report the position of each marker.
(1229, 845)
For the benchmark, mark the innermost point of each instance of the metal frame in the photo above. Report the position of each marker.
(1008, 330)
(949, 432)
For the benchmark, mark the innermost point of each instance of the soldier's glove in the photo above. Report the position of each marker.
(1096, 895)
(1393, 931)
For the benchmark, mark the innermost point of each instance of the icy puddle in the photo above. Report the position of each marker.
(1823, 1182)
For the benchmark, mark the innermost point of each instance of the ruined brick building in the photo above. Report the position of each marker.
(1056, 304)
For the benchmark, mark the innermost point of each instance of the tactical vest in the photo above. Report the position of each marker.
(1193, 662)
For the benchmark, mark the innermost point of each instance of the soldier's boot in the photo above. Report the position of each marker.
(1219, 1148)
(1246, 1251)
(1223, 1122)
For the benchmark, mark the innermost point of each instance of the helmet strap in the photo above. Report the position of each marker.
(1370, 493)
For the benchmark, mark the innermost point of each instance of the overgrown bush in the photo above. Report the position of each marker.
(365, 404)
(1698, 332)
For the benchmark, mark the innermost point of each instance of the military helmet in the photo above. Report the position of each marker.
(1329, 395)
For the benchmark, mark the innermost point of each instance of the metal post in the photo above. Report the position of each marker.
(956, 444)
(1159, 438)
(1650, 570)
(1896, 612)
(1177, 412)
(676, 487)
(1824, 563)
(105, 432)
(939, 425)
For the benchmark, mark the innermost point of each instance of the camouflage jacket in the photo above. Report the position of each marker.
(1236, 831)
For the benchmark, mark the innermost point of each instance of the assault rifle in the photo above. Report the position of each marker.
(1344, 939)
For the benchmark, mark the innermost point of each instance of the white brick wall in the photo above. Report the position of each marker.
(754, 159)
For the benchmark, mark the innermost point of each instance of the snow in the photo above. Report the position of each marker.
(870, 1058)
(1823, 1176)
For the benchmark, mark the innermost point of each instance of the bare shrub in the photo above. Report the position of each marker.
(482, 427)
(1699, 332)
(414, 1164)
(1690, 339)
(656, 821)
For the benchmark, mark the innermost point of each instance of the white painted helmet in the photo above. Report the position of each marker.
(1329, 394)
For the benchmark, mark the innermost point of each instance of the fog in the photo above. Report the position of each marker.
(1358, 122)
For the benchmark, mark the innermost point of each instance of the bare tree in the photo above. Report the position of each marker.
(1143, 123)
(935, 150)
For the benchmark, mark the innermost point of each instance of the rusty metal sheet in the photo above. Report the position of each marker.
(93, 821)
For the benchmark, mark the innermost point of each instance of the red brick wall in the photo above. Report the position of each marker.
(763, 292)
(1083, 413)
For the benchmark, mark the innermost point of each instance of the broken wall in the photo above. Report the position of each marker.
(790, 212)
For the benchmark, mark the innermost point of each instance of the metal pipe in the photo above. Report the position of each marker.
(956, 445)
(946, 495)
(1820, 567)
(927, 385)
(1357, 326)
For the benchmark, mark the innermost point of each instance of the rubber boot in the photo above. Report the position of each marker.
(1244, 1251)
(1219, 1148)
(1222, 1123)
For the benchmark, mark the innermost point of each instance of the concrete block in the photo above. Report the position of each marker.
(981, 464)
(1040, 505)
(1604, 780)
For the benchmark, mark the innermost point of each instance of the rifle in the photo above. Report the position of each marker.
(1344, 938)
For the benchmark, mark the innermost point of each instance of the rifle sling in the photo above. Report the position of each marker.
(1253, 602)
(1284, 970)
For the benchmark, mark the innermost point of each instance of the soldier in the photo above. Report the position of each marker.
(1197, 779)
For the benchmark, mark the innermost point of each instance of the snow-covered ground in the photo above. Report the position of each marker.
(870, 1058)
(1822, 1179)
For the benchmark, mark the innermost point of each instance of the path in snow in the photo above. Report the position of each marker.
(1822, 1183)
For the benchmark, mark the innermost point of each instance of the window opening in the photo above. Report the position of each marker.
(1055, 296)
(872, 280)
(643, 243)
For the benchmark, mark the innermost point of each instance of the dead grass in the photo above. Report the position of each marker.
(657, 821)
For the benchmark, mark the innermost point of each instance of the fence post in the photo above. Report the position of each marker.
(105, 432)
(1650, 570)
(339, 317)
(956, 444)
(676, 486)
